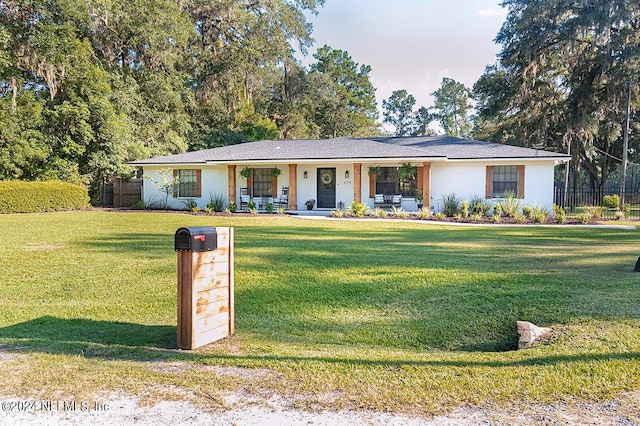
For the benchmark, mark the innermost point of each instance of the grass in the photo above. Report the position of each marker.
(405, 317)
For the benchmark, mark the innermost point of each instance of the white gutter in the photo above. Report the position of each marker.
(384, 160)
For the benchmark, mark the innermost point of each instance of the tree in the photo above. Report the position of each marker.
(561, 79)
(167, 181)
(398, 111)
(451, 108)
(240, 47)
(347, 103)
(421, 120)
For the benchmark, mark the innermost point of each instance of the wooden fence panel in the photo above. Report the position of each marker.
(121, 192)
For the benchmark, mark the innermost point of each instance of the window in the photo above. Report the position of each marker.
(262, 180)
(503, 179)
(388, 182)
(188, 183)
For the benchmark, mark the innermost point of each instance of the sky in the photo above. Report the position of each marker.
(412, 44)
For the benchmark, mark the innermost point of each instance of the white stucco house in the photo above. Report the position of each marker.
(337, 172)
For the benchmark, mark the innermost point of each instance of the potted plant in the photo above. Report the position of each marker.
(275, 172)
(309, 204)
(418, 196)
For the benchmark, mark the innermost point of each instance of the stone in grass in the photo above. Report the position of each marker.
(529, 333)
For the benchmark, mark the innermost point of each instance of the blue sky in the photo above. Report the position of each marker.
(412, 44)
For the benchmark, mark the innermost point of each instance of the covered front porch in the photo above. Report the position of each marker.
(312, 186)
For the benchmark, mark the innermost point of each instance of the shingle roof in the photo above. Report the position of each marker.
(459, 149)
(424, 147)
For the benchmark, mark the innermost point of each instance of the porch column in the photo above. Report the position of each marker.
(357, 178)
(426, 185)
(293, 187)
(231, 170)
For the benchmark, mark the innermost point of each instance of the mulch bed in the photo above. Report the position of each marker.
(485, 220)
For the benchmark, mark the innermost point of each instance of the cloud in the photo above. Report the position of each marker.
(493, 12)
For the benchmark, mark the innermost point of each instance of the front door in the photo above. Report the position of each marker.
(327, 188)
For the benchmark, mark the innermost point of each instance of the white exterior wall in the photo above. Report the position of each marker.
(462, 178)
(307, 188)
(466, 179)
(214, 181)
(538, 183)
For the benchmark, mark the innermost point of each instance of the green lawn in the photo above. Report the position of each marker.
(404, 317)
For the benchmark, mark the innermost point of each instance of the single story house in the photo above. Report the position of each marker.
(337, 172)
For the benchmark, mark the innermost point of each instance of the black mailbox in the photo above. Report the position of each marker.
(198, 238)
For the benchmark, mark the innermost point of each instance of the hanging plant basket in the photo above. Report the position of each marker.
(374, 170)
(276, 172)
(246, 172)
(407, 171)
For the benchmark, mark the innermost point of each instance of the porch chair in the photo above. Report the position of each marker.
(244, 199)
(283, 200)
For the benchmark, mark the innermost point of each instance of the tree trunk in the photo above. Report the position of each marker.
(14, 95)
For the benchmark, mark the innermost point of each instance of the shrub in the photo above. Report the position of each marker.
(497, 210)
(337, 213)
(282, 210)
(479, 205)
(476, 217)
(458, 216)
(216, 202)
(496, 218)
(440, 216)
(585, 217)
(540, 213)
(626, 209)
(520, 218)
(611, 201)
(451, 204)
(398, 212)
(559, 213)
(423, 213)
(378, 212)
(191, 205)
(269, 207)
(358, 209)
(232, 207)
(28, 197)
(510, 204)
(464, 208)
(253, 210)
(594, 211)
(139, 205)
(527, 211)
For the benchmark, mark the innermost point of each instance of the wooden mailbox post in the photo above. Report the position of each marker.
(205, 285)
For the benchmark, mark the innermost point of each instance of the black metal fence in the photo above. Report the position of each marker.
(575, 201)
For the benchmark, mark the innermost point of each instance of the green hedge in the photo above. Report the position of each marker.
(28, 197)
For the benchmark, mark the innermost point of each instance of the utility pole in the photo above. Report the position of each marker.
(625, 148)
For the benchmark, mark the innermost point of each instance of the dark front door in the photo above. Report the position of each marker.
(326, 188)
